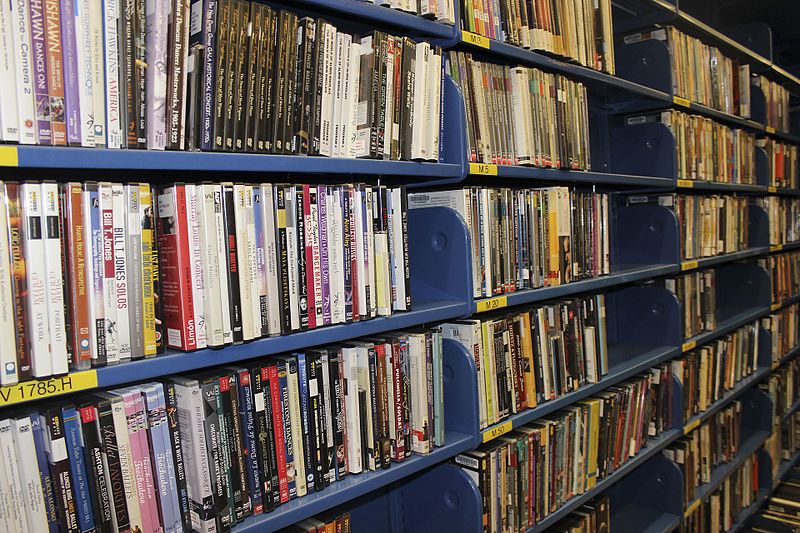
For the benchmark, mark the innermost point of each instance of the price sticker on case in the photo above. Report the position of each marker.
(686, 346)
(28, 391)
(9, 156)
(474, 39)
(774, 307)
(772, 189)
(770, 129)
(776, 248)
(484, 169)
(681, 101)
(689, 265)
(492, 303)
(694, 424)
(493, 433)
(685, 184)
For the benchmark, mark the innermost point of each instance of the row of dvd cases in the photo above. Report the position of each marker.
(427, 492)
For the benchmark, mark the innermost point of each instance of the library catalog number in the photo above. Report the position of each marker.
(34, 390)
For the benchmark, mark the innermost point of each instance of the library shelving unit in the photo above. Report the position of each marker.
(428, 492)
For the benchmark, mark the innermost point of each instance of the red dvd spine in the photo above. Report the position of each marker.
(310, 271)
(176, 269)
(75, 233)
(271, 373)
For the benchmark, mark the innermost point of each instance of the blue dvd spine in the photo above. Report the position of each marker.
(163, 462)
(44, 473)
(255, 478)
(77, 465)
(308, 447)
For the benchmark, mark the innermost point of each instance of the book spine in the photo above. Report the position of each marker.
(193, 199)
(107, 272)
(177, 42)
(347, 264)
(250, 451)
(283, 258)
(284, 446)
(30, 476)
(19, 284)
(52, 233)
(322, 209)
(58, 460)
(112, 74)
(214, 450)
(219, 236)
(70, 73)
(208, 9)
(8, 350)
(238, 447)
(232, 261)
(156, 45)
(74, 440)
(128, 234)
(262, 420)
(38, 428)
(85, 37)
(154, 422)
(175, 442)
(151, 315)
(140, 74)
(338, 413)
(268, 442)
(302, 265)
(36, 307)
(120, 291)
(15, 499)
(307, 420)
(311, 258)
(229, 475)
(245, 31)
(19, 16)
(41, 85)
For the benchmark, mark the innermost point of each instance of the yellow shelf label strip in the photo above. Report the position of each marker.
(9, 156)
(496, 431)
(484, 169)
(689, 265)
(688, 346)
(770, 129)
(475, 39)
(691, 426)
(686, 184)
(772, 189)
(681, 101)
(689, 510)
(45, 388)
(492, 303)
(776, 248)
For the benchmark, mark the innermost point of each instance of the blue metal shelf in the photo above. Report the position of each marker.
(719, 473)
(647, 358)
(786, 466)
(174, 362)
(352, 487)
(784, 136)
(720, 186)
(724, 258)
(592, 78)
(619, 277)
(108, 159)
(642, 520)
(653, 446)
(724, 327)
(729, 396)
(582, 176)
(780, 191)
(384, 16)
(790, 411)
(784, 247)
(746, 513)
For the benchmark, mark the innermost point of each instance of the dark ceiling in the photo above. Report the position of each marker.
(782, 16)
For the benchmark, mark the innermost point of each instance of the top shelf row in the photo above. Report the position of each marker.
(629, 15)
